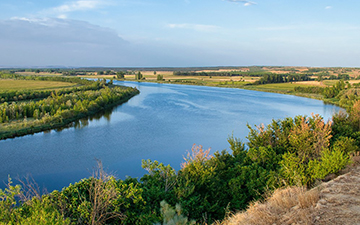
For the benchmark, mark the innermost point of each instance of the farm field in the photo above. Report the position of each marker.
(6, 85)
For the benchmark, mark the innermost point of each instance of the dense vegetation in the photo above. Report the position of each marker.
(19, 95)
(281, 78)
(292, 151)
(341, 93)
(44, 110)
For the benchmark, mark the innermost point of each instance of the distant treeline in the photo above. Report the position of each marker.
(227, 73)
(281, 78)
(341, 93)
(96, 69)
(328, 92)
(46, 78)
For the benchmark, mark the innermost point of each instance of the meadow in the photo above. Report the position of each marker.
(35, 85)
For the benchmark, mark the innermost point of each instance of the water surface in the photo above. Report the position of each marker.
(161, 123)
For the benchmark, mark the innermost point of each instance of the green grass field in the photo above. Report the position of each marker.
(279, 87)
(283, 88)
(6, 85)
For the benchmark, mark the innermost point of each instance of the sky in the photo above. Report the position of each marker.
(179, 33)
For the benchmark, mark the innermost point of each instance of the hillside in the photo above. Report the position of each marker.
(334, 202)
(339, 201)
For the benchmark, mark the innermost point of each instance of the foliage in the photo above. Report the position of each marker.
(20, 95)
(173, 217)
(292, 151)
(139, 76)
(8, 201)
(97, 200)
(281, 78)
(58, 108)
(331, 92)
(120, 75)
(159, 77)
(309, 89)
(32, 211)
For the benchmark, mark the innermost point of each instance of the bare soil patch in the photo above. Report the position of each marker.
(339, 200)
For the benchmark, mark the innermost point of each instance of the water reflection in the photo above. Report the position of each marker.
(84, 122)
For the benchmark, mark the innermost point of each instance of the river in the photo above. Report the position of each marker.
(161, 123)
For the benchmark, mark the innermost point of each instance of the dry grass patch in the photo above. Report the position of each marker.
(311, 83)
(39, 74)
(293, 205)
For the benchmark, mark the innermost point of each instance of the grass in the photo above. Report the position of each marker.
(39, 74)
(293, 205)
(8, 85)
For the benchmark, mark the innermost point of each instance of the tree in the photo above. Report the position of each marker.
(355, 115)
(159, 77)
(139, 76)
(120, 75)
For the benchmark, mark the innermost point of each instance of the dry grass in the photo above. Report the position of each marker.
(293, 205)
(39, 74)
(311, 83)
(32, 85)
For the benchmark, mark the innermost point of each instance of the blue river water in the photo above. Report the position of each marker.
(161, 123)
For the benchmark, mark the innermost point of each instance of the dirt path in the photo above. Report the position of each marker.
(339, 200)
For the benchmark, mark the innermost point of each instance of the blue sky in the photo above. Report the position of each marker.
(172, 33)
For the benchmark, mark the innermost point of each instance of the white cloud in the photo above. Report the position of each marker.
(313, 26)
(196, 27)
(328, 7)
(62, 16)
(278, 28)
(73, 6)
(78, 6)
(63, 42)
(246, 3)
(53, 41)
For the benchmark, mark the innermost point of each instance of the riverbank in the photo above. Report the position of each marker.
(32, 110)
(12, 131)
(279, 88)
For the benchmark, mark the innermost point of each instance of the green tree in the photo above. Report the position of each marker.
(159, 77)
(120, 75)
(139, 76)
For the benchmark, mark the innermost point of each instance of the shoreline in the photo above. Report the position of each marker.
(63, 122)
(303, 95)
